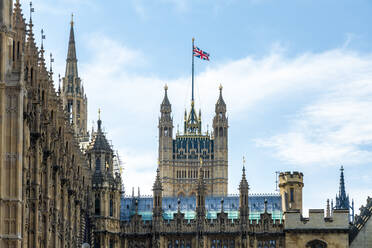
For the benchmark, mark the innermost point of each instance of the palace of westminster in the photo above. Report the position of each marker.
(60, 185)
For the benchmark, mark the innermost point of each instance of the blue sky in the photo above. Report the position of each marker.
(297, 79)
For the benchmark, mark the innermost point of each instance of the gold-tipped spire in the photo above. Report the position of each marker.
(220, 87)
(72, 19)
(165, 87)
(99, 113)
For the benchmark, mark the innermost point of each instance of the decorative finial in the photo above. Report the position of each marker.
(42, 38)
(51, 62)
(328, 212)
(72, 19)
(165, 87)
(220, 87)
(32, 9)
(99, 113)
(193, 39)
(59, 83)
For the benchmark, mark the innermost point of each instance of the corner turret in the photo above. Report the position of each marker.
(158, 196)
(290, 185)
(106, 187)
(165, 129)
(220, 129)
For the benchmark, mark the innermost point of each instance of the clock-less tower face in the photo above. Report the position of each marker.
(181, 156)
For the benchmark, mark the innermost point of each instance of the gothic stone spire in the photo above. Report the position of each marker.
(71, 65)
(342, 201)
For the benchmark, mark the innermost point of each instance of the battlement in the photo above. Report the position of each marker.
(288, 177)
(316, 220)
(294, 174)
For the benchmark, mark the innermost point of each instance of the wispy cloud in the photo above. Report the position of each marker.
(334, 130)
(332, 126)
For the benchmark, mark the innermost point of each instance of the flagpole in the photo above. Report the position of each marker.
(192, 77)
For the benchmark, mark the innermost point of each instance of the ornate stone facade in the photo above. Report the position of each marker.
(44, 176)
(56, 192)
(179, 158)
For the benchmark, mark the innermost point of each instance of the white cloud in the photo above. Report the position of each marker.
(139, 172)
(328, 130)
(331, 131)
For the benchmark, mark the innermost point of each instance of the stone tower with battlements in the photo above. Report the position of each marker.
(290, 185)
(181, 156)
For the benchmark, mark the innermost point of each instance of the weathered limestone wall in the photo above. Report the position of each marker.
(364, 237)
(334, 240)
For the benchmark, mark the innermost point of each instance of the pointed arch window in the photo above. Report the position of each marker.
(316, 243)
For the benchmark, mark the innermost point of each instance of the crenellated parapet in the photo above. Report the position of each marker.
(317, 229)
(316, 220)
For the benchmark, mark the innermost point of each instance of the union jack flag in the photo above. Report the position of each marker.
(201, 54)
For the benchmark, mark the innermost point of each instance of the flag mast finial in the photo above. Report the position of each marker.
(192, 71)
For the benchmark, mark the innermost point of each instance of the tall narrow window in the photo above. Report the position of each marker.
(18, 50)
(13, 50)
(97, 205)
(292, 195)
(98, 164)
(111, 206)
(78, 107)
